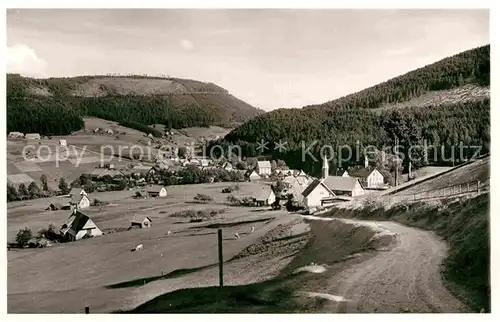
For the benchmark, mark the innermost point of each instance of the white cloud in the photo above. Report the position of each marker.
(186, 44)
(21, 59)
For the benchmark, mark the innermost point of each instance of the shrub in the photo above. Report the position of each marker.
(23, 236)
(203, 198)
(232, 200)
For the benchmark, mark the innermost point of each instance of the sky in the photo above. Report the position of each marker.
(268, 58)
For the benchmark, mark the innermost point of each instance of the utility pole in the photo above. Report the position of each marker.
(221, 273)
(397, 164)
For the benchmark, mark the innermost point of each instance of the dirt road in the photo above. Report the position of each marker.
(404, 278)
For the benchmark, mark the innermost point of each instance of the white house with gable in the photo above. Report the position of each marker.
(370, 178)
(79, 226)
(264, 168)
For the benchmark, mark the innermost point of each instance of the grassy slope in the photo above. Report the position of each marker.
(332, 243)
(465, 227)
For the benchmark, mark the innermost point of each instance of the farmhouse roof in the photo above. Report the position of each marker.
(140, 219)
(337, 183)
(76, 221)
(361, 172)
(310, 188)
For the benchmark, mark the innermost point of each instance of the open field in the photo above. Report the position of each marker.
(64, 277)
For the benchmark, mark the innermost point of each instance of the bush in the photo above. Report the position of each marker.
(51, 233)
(232, 200)
(203, 198)
(23, 236)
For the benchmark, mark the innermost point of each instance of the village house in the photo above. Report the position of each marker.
(79, 226)
(323, 191)
(79, 201)
(264, 168)
(205, 162)
(156, 191)
(63, 143)
(16, 135)
(32, 136)
(370, 178)
(345, 186)
(315, 194)
(252, 175)
(141, 221)
(265, 197)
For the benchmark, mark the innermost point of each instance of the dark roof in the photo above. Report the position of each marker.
(361, 172)
(336, 183)
(140, 219)
(76, 222)
(311, 187)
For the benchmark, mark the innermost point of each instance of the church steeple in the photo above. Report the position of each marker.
(325, 171)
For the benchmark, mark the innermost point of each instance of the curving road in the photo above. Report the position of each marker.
(405, 278)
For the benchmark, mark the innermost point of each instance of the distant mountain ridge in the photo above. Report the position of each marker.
(146, 100)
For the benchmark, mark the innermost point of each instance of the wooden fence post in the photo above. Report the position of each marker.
(221, 273)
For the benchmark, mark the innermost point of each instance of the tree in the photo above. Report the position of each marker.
(273, 165)
(22, 191)
(43, 180)
(24, 236)
(12, 193)
(33, 190)
(63, 186)
(182, 153)
(281, 164)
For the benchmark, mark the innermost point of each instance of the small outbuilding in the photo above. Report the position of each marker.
(16, 135)
(141, 221)
(54, 206)
(156, 191)
(63, 143)
(80, 201)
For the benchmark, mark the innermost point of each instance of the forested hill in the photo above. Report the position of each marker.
(360, 116)
(56, 105)
(471, 66)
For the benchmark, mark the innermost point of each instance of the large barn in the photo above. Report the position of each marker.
(79, 226)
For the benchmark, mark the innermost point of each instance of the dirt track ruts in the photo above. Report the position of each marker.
(405, 278)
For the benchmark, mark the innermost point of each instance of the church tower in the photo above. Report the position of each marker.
(325, 172)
